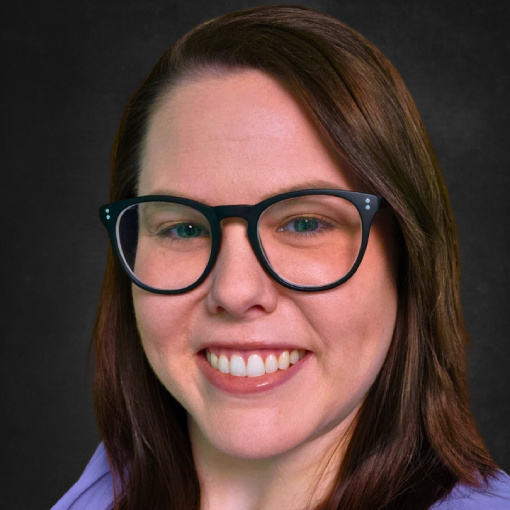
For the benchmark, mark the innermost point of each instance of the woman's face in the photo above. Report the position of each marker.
(236, 139)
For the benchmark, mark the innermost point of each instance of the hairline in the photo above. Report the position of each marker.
(198, 71)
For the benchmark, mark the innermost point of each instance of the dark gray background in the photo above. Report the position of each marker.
(67, 71)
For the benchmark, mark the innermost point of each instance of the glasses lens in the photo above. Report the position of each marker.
(312, 240)
(165, 245)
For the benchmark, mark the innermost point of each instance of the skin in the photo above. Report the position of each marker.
(235, 139)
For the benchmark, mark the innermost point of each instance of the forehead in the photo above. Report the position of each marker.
(234, 138)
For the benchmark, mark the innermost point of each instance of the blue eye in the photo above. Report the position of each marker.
(306, 225)
(183, 231)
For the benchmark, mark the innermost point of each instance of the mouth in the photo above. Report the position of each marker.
(252, 364)
(252, 371)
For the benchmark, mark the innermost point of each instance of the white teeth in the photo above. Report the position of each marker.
(255, 366)
(223, 364)
(237, 365)
(271, 364)
(284, 360)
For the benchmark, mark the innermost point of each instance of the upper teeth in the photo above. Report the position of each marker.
(256, 365)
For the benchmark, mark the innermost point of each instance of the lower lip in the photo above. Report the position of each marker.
(246, 385)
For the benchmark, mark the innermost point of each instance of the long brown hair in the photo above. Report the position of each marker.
(414, 437)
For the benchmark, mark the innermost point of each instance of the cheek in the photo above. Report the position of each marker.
(160, 318)
(378, 305)
(357, 319)
(152, 321)
(360, 324)
(163, 324)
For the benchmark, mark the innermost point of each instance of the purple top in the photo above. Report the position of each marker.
(94, 490)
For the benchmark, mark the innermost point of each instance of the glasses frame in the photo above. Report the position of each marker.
(366, 204)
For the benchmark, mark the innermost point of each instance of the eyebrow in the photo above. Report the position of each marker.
(314, 184)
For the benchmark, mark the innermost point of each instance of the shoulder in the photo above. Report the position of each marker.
(94, 489)
(494, 496)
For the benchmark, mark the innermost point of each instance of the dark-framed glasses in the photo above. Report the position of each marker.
(306, 240)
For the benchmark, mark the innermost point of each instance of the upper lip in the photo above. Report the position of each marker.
(248, 345)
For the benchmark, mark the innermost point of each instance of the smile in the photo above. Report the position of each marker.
(241, 364)
(253, 371)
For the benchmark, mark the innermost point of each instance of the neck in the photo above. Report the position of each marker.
(294, 480)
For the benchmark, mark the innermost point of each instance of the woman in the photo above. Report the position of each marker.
(280, 322)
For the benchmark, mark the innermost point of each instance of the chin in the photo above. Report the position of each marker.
(256, 447)
(249, 438)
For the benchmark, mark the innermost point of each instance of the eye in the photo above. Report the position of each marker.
(182, 231)
(306, 225)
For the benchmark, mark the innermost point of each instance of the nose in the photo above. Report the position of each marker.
(239, 285)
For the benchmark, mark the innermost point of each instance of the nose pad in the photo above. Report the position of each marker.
(236, 246)
(238, 281)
